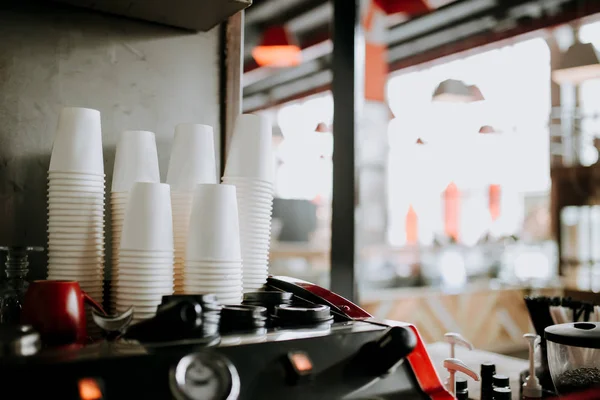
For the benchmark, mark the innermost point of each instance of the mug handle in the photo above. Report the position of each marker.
(88, 299)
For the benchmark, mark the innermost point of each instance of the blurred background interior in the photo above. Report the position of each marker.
(476, 155)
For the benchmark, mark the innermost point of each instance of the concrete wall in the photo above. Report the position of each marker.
(139, 75)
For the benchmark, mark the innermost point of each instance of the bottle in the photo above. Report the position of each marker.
(488, 370)
(500, 381)
(453, 365)
(13, 289)
(462, 389)
(532, 388)
(502, 393)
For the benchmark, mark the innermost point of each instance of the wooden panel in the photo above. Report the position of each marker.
(493, 320)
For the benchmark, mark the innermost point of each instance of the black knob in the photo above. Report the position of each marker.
(502, 393)
(501, 381)
(379, 357)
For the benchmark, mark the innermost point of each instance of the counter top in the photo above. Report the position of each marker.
(510, 366)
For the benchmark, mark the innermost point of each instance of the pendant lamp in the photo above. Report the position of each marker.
(487, 129)
(411, 7)
(455, 91)
(579, 63)
(277, 49)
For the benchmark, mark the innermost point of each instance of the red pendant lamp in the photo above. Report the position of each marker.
(411, 7)
(277, 49)
(494, 201)
(451, 211)
(412, 226)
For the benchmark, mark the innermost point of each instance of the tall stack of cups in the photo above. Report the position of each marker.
(213, 258)
(76, 202)
(192, 162)
(136, 160)
(145, 268)
(250, 169)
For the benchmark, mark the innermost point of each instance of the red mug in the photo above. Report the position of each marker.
(56, 310)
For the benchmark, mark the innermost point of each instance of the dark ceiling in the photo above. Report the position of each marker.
(454, 26)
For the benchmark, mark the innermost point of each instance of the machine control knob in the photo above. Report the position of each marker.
(380, 356)
(204, 376)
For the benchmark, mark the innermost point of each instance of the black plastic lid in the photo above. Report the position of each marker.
(308, 314)
(243, 311)
(461, 383)
(502, 393)
(268, 297)
(488, 370)
(578, 334)
(501, 381)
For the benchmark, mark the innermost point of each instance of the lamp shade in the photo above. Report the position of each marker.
(487, 129)
(455, 91)
(411, 7)
(579, 63)
(277, 49)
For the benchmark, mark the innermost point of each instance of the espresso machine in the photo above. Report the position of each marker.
(313, 345)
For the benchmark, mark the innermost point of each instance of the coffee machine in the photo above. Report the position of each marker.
(319, 346)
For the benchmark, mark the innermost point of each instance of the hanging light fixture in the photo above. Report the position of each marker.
(487, 129)
(455, 91)
(410, 7)
(579, 63)
(277, 49)
(322, 128)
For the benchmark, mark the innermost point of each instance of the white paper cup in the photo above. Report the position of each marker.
(78, 142)
(82, 280)
(248, 182)
(142, 254)
(223, 290)
(82, 230)
(146, 268)
(125, 288)
(53, 247)
(148, 221)
(74, 268)
(84, 201)
(80, 221)
(76, 176)
(77, 236)
(192, 157)
(210, 273)
(53, 205)
(162, 284)
(74, 183)
(79, 244)
(127, 275)
(211, 269)
(214, 226)
(75, 213)
(250, 153)
(70, 193)
(71, 190)
(84, 253)
(136, 160)
(75, 260)
(201, 280)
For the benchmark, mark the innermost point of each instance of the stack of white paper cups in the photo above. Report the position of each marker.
(145, 269)
(213, 259)
(192, 162)
(76, 201)
(250, 169)
(136, 160)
